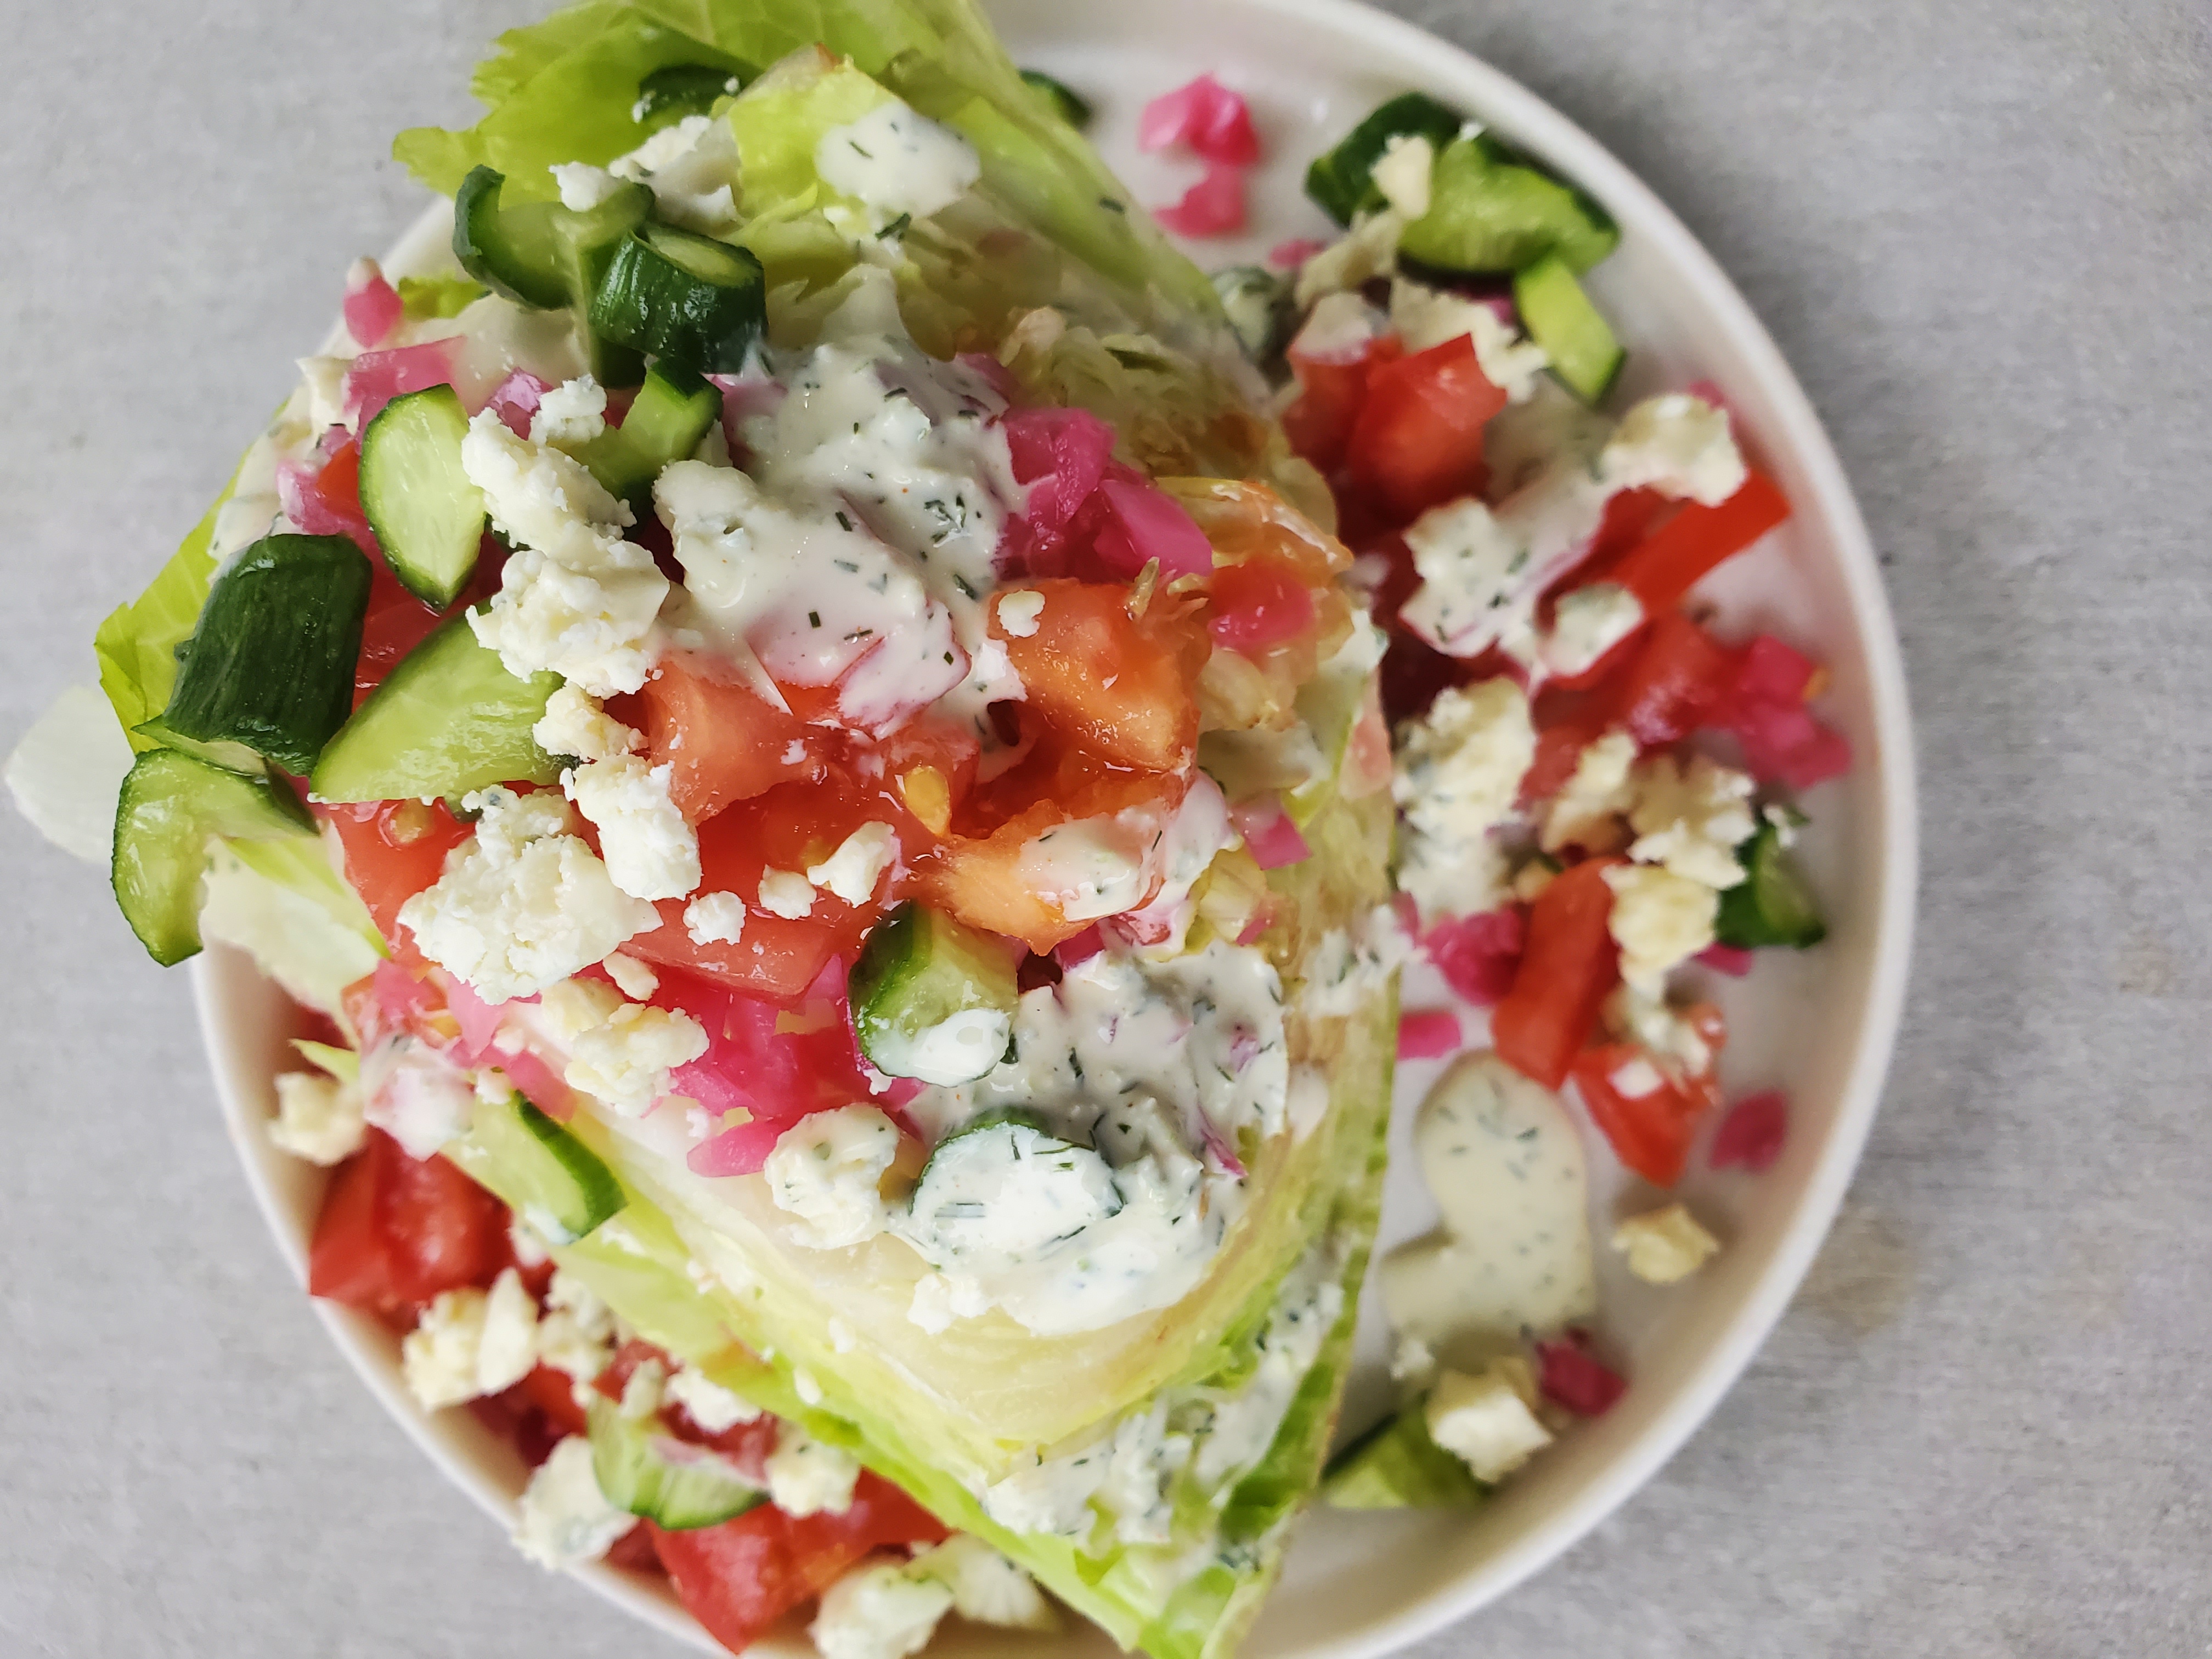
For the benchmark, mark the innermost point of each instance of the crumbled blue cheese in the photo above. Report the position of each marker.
(1659, 920)
(574, 725)
(1488, 1421)
(1368, 249)
(1424, 317)
(786, 893)
(1664, 1245)
(897, 161)
(708, 1403)
(852, 872)
(1587, 623)
(468, 1343)
(625, 1060)
(1401, 173)
(826, 1169)
(1648, 1021)
(880, 1610)
(575, 596)
(632, 977)
(1677, 444)
(583, 187)
(317, 1118)
(571, 414)
(414, 1094)
(650, 849)
(986, 1586)
(1586, 813)
(1459, 773)
(806, 1476)
(691, 168)
(1691, 817)
(523, 904)
(1340, 328)
(717, 918)
(576, 1334)
(564, 1519)
(1019, 613)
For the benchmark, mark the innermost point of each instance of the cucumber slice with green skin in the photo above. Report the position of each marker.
(1772, 905)
(668, 94)
(932, 998)
(671, 1483)
(1004, 1186)
(1560, 318)
(267, 675)
(560, 1185)
(547, 255)
(170, 806)
(1343, 181)
(1067, 103)
(428, 517)
(1259, 308)
(673, 411)
(449, 718)
(685, 298)
(1395, 1465)
(1491, 210)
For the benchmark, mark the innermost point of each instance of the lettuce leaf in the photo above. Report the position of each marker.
(136, 645)
(283, 901)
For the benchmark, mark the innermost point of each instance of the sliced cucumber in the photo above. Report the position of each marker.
(267, 675)
(548, 256)
(170, 806)
(1067, 103)
(682, 297)
(931, 998)
(560, 1185)
(450, 718)
(669, 94)
(1004, 1185)
(1772, 905)
(673, 410)
(1560, 318)
(1261, 309)
(1343, 181)
(1492, 210)
(671, 1483)
(428, 517)
(1396, 1465)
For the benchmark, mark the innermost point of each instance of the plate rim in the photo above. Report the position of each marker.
(1564, 143)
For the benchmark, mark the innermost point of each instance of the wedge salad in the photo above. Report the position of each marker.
(841, 751)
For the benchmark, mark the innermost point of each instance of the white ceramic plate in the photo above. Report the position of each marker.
(1819, 1026)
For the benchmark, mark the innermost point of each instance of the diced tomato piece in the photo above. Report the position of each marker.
(1567, 968)
(1258, 603)
(633, 1552)
(554, 1393)
(722, 742)
(1125, 688)
(931, 763)
(739, 1578)
(1331, 393)
(393, 850)
(1669, 561)
(395, 1231)
(1650, 1132)
(1418, 440)
(1665, 693)
(635, 1353)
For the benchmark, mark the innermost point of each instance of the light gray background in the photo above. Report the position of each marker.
(1982, 234)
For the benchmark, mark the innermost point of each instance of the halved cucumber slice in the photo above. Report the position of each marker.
(685, 298)
(1772, 905)
(428, 517)
(449, 718)
(268, 673)
(1343, 181)
(669, 93)
(548, 256)
(545, 1174)
(1067, 103)
(1559, 317)
(1491, 208)
(170, 806)
(670, 1482)
(1398, 1465)
(932, 998)
(673, 410)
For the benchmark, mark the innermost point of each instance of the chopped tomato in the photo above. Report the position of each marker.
(1568, 966)
(1331, 392)
(393, 850)
(722, 742)
(1418, 440)
(739, 1578)
(1651, 1131)
(554, 1393)
(931, 763)
(1665, 691)
(1124, 688)
(395, 1231)
(1670, 560)
(1257, 603)
(636, 1352)
(634, 1553)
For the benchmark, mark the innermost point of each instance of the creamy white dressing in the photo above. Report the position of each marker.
(1512, 1256)
(897, 161)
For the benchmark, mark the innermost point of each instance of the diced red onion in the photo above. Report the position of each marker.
(1478, 955)
(1205, 117)
(515, 400)
(1568, 1375)
(1271, 835)
(373, 308)
(1143, 523)
(1428, 1034)
(1289, 255)
(1214, 206)
(1730, 959)
(1750, 1136)
(377, 377)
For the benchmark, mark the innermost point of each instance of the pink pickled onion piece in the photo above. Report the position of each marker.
(377, 377)
(1289, 255)
(1214, 206)
(988, 369)
(478, 1019)
(372, 309)
(1243, 1049)
(1204, 115)
(1143, 523)
(1568, 1375)
(310, 511)
(549, 1093)
(740, 1151)
(399, 1000)
(1751, 1136)
(515, 399)
(1271, 835)
(1269, 607)
(1782, 742)
(1428, 1034)
(1074, 952)
(1707, 391)
(1218, 1149)
(1730, 959)
(1772, 671)
(1061, 455)
(1478, 955)
(902, 1090)
(1258, 926)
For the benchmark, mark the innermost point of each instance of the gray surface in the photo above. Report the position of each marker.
(1979, 231)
